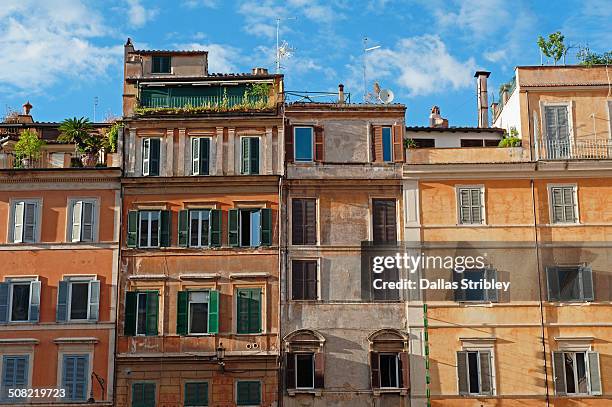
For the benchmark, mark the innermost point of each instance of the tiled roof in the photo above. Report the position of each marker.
(455, 129)
(169, 51)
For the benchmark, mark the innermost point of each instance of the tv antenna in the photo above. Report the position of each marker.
(283, 50)
(95, 106)
(379, 95)
(366, 49)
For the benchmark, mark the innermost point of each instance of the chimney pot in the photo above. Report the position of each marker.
(259, 71)
(483, 103)
(26, 108)
(341, 94)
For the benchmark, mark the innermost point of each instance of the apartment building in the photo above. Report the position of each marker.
(59, 250)
(539, 212)
(199, 282)
(343, 343)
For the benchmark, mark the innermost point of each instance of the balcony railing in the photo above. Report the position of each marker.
(587, 149)
(179, 102)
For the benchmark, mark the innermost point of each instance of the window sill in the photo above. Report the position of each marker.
(570, 303)
(295, 392)
(486, 304)
(379, 392)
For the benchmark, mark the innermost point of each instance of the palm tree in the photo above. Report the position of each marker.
(83, 135)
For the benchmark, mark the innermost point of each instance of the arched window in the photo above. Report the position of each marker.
(304, 360)
(389, 363)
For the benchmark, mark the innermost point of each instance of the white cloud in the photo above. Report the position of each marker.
(138, 14)
(421, 66)
(221, 58)
(202, 3)
(481, 18)
(495, 56)
(42, 42)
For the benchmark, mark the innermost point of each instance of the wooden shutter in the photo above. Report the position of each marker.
(290, 370)
(310, 283)
(384, 221)
(288, 143)
(319, 370)
(213, 312)
(233, 228)
(129, 319)
(485, 372)
(398, 143)
(310, 224)
(182, 312)
(246, 154)
(77, 210)
(18, 222)
(319, 144)
(195, 156)
(29, 222)
(62, 301)
(4, 302)
(404, 361)
(586, 277)
(255, 311)
(460, 293)
(552, 278)
(14, 372)
(215, 227)
(559, 373)
(34, 301)
(183, 228)
(154, 163)
(594, 374)
(132, 229)
(266, 227)
(462, 372)
(146, 156)
(297, 221)
(491, 294)
(204, 165)
(152, 311)
(94, 300)
(476, 205)
(165, 228)
(87, 222)
(298, 280)
(254, 155)
(374, 370)
(377, 144)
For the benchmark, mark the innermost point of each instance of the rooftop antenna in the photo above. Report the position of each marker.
(366, 49)
(282, 50)
(95, 106)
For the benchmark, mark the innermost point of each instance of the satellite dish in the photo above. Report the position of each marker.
(385, 96)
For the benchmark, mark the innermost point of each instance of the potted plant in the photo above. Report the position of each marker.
(409, 143)
(87, 141)
(27, 148)
(510, 140)
(112, 135)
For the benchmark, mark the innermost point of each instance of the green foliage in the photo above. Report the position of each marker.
(29, 145)
(245, 106)
(510, 140)
(588, 58)
(409, 143)
(259, 91)
(553, 47)
(82, 134)
(112, 134)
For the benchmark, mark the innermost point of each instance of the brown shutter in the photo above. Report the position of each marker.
(374, 370)
(288, 143)
(290, 370)
(405, 370)
(398, 143)
(297, 221)
(319, 374)
(377, 144)
(318, 130)
(310, 221)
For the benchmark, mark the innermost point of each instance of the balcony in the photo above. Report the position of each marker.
(8, 161)
(582, 149)
(466, 155)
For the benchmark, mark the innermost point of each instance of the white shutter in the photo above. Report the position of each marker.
(29, 222)
(87, 222)
(195, 156)
(77, 210)
(146, 155)
(18, 222)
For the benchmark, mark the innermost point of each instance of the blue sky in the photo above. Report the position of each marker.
(61, 54)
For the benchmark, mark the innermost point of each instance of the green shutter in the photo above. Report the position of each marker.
(215, 227)
(246, 154)
(233, 227)
(152, 310)
(183, 228)
(61, 312)
(204, 155)
(266, 227)
(248, 309)
(154, 157)
(166, 224)
(254, 156)
(182, 313)
(129, 328)
(132, 233)
(213, 312)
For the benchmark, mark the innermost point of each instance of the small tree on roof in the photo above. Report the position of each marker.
(554, 47)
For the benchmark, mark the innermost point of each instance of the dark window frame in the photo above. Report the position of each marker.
(312, 145)
(392, 225)
(159, 62)
(306, 232)
(305, 280)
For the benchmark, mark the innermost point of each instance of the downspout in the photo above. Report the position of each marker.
(282, 258)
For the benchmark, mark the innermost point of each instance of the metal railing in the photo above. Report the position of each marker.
(178, 102)
(588, 149)
(315, 97)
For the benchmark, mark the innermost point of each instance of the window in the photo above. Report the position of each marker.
(474, 372)
(472, 142)
(199, 228)
(143, 395)
(475, 294)
(141, 310)
(151, 152)
(248, 310)
(248, 393)
(304, 221)
(148, 229)
(570, 283)
(161, 64)
(78, 299)
(304, 280)
(389, 370)
(198, 312)
(557, 132)
(196, 394)
(470, 204)
(304, 360)
(563, 206)
(384, 221)
(15, 369)
(250, 227)
(304, 370)
(576, 373)
(25, 221)
(75, 376)
(424, 142)
(19, 300)
(387, 143)
(250, 156)
(82, 220)
(304, 144)
(389, 274)
(200, 155)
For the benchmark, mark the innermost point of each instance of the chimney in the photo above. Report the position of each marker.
(494, 108)
(26, 108)
(259, 71)
(436, 120)
(483, 103)
(25, 116)
(505, 96)
(341, 94)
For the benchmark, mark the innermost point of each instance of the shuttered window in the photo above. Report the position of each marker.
(196, 394)
(200, 155)
(574, 283)
(248, 310)
(82, 220)
(141, 313)
(304, 280)
(248, 393)
(161, 64)
(25, 221)
(151, 153)
(384, 221)
(250, 227)
(576, 373)
(197, 312)
(471, 205)
(303, 142)
(75, 375)
(149, 228)
(250, 156)
(14, 374)
(474, 372)
(78, 299)
(20, 301)
(304, 221)
(475, 294)
(563, 204)
(143, 395)
(387, 144)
